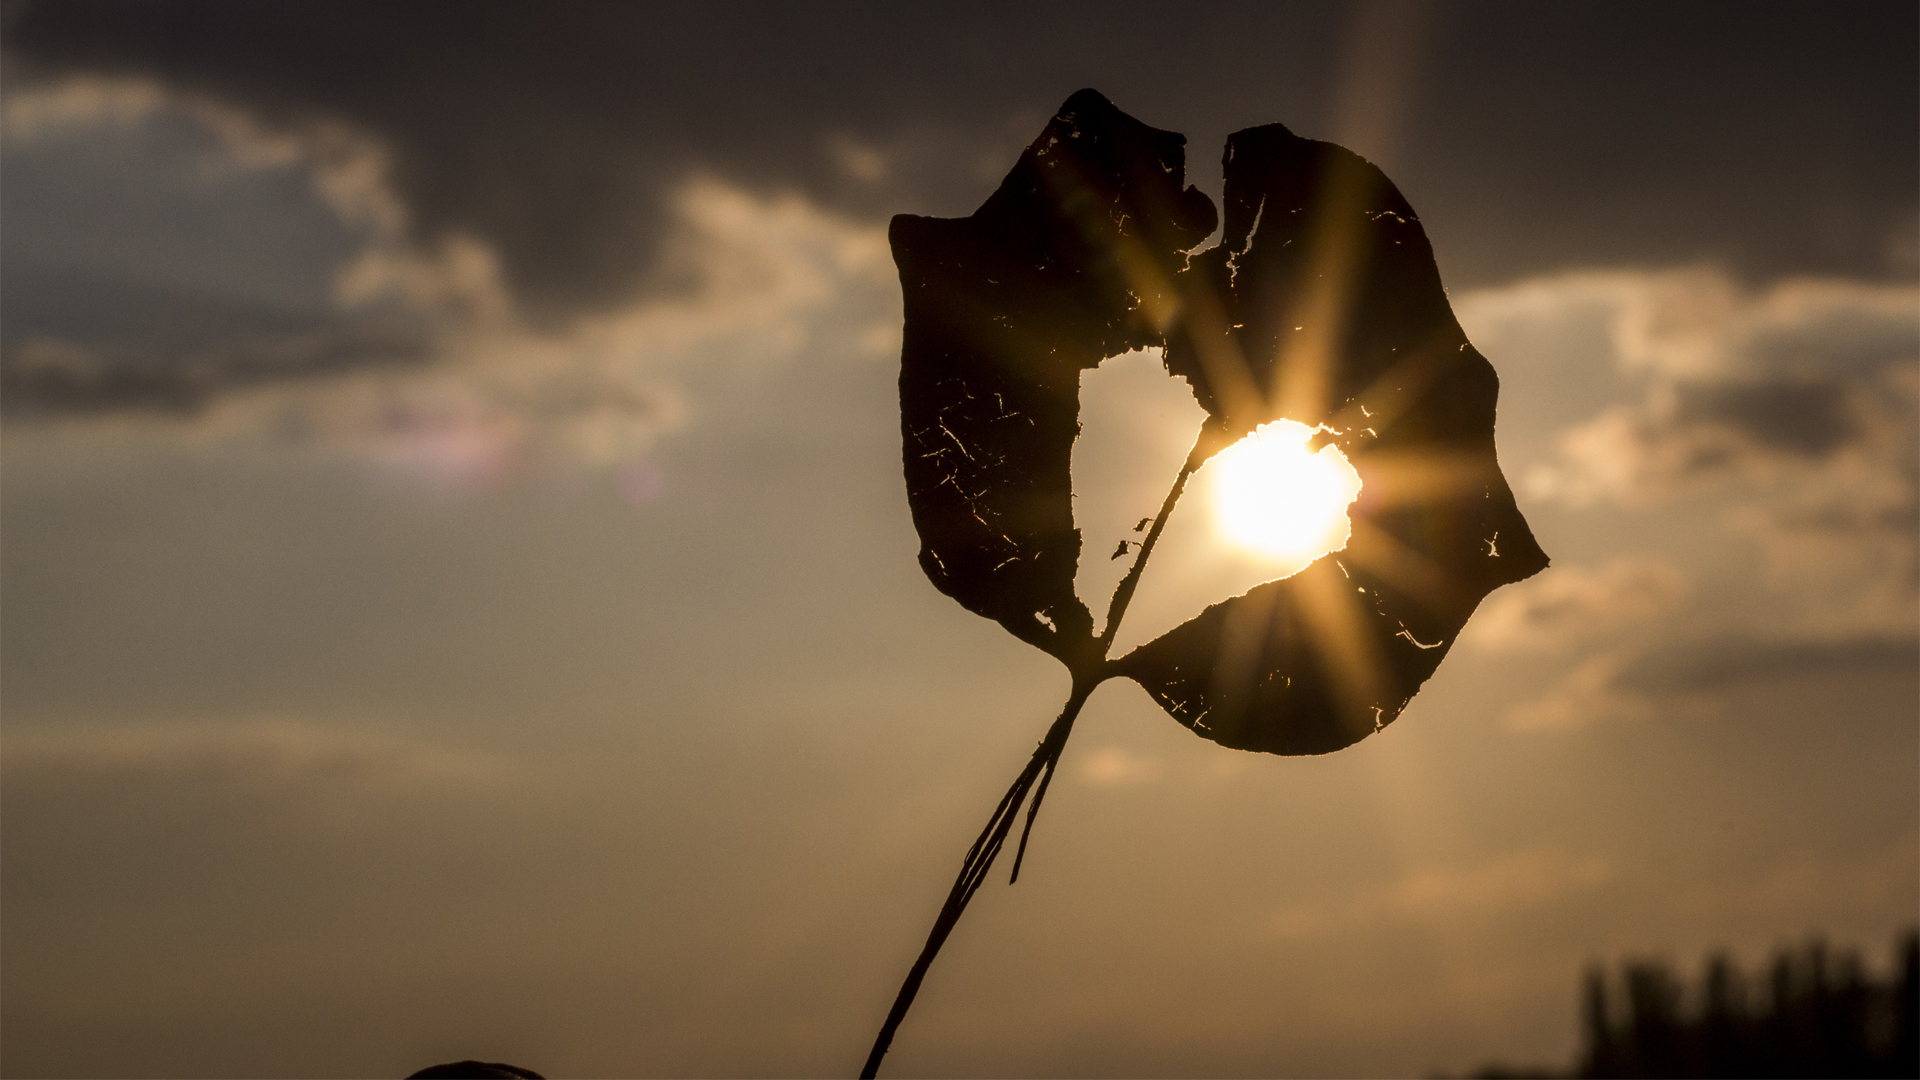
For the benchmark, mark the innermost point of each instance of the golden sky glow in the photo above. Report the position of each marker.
(461, 599)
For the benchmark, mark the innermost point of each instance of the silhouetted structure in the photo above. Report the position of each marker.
(1813, 1013)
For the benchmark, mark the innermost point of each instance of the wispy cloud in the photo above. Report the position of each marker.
(281, 759)
(1502, 885)
(1816, 886)
(1116, 766)
(1553, 611)
(1690, 677)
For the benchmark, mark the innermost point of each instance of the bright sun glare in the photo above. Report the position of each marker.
(1274, 498)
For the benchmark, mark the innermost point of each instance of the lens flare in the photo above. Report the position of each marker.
(1273, 497)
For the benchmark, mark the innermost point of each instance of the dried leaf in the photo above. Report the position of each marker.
(1071, 261)
(1321, 304)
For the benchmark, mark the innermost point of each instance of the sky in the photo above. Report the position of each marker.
(460, 599)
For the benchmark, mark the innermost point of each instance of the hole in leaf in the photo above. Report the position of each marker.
(1137, 424)
(1273, 496)
(1262, 509)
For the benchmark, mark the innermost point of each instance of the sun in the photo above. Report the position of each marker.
(1273, 497)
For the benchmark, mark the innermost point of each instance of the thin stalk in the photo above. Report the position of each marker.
(1116, 610)
(1039, 768)
(1123, 593)
(974, 871)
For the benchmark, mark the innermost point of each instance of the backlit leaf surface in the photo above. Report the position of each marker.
(1321, 304)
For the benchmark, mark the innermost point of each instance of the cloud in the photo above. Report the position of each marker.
(1726, 662)
(1588, 694)
(79, 343)
(1570, 603)
(196, 838)
(421, 360)
(1523, 879)
(351, 169)
(167, 246)
(767, 280)
(1793, 408)
(1509, 883)
(270, 759)
(859, 161)
(552, 137)
(1690, 677)
(1114, 766)
(32, 112)
(1816, 887)
(1796, 380)
(555, 145)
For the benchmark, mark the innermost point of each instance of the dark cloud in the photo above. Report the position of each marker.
(1798, 416)
(1726, 663)
(1841, 340)
(77, 341)
(1775, 137)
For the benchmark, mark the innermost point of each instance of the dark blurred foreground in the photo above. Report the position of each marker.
(1813, 1012)
(475, 1070)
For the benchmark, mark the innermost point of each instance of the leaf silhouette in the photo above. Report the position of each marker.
(1071, 261)
(1322, 305)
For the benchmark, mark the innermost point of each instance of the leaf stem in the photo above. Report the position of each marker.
(1123, 593)
(1039, 769)
(974, 870)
